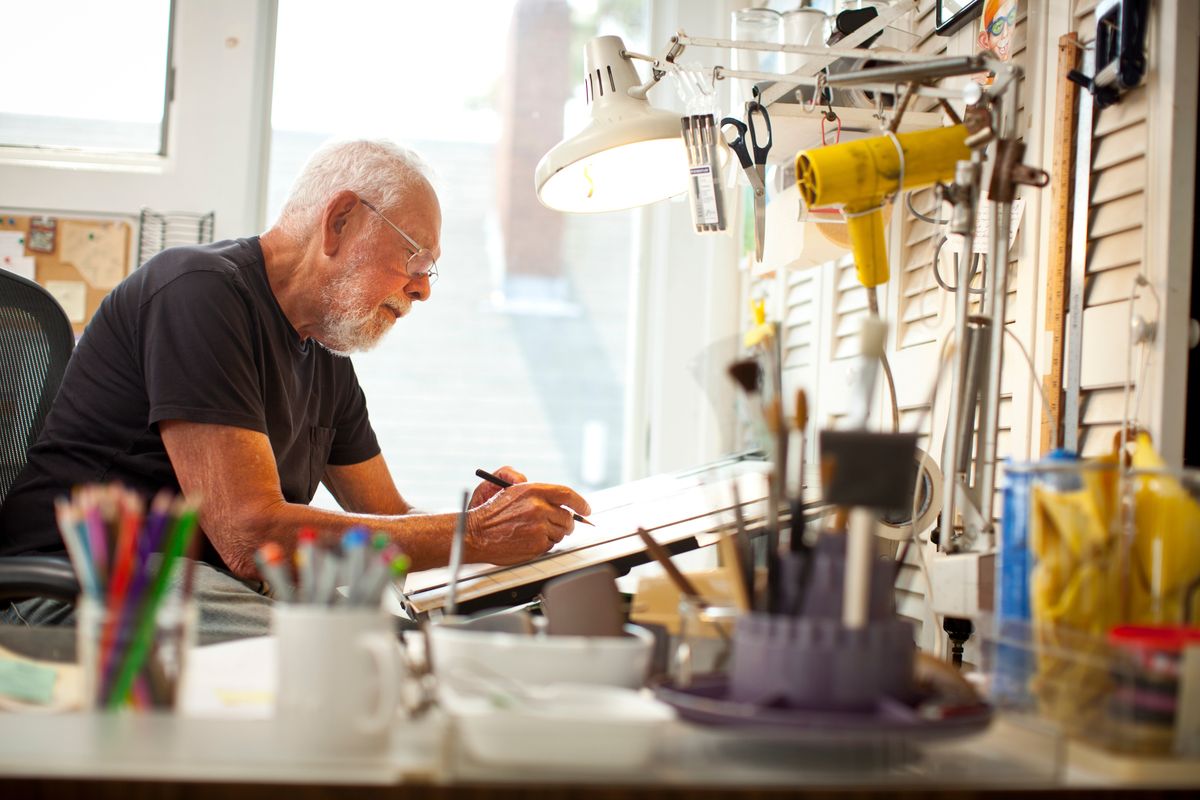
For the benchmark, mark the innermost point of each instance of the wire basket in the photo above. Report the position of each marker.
(158, 230)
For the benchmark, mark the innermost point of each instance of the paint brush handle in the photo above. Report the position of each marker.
(456, 552)
(663, 557)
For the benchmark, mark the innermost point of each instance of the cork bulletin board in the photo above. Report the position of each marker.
(77, 260)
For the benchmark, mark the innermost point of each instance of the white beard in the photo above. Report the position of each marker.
(353, 322)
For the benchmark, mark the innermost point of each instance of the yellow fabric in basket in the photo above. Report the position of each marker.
(1087, 579)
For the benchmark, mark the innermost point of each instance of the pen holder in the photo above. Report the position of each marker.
(339, 679)
(819, 664)
(812, 660)
(128, 665)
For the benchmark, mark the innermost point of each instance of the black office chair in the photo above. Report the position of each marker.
(36, 340)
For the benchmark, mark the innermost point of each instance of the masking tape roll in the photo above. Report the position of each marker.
(831, 226)
(929, 484)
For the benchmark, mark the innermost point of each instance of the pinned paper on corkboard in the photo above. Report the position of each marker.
(72, 296)
(99, 250)
(78, 260)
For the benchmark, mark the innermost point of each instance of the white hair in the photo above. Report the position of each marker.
(382, 172)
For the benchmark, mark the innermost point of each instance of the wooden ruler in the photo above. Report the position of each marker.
(1061, 182)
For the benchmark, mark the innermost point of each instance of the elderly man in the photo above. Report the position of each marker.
(220, 371)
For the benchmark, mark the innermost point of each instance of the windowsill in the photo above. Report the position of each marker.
(82, 160)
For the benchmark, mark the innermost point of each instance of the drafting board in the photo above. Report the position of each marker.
(678, 511)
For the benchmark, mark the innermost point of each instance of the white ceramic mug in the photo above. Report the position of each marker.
(339, 673)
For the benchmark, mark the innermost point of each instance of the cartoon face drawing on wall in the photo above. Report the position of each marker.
(996, 27)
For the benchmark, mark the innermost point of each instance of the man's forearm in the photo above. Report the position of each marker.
(424, 538)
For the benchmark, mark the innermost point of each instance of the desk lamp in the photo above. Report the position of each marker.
(629, 155)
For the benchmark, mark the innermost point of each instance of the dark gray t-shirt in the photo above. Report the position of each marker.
(195, 334)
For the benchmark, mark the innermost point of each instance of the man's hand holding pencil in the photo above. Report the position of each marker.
(518, 521)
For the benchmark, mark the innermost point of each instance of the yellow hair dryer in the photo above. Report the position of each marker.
(859, 175)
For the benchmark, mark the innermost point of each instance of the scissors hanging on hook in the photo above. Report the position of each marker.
(753, 157)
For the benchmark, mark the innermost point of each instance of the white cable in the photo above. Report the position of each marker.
(1037, 384)
(917, 543)
(939, 646)
(900, 155)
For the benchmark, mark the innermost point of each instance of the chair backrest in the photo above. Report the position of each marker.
(36, 340)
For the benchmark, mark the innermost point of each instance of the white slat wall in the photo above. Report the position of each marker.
(823, 309)
(1116, 250)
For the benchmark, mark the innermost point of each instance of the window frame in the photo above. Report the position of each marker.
(74, 157)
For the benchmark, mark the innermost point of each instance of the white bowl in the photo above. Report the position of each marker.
(545, 660)
(565, 725)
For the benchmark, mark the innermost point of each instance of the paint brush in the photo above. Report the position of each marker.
(456, 553)
(663, 557)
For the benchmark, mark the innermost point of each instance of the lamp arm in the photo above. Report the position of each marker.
(798, 49)
(791, 80)
(658, 65)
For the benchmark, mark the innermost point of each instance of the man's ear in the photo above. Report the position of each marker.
(984, 44)
(336, 219)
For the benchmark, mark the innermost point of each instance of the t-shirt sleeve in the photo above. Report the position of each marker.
(198, 343)
(354, 440)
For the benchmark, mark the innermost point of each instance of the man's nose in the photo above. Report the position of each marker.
(418, 289)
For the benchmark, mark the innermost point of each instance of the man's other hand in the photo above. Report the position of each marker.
(521, 522)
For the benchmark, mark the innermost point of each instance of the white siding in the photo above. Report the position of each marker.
(1117, 204)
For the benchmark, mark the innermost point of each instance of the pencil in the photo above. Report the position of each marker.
(503, 484)
(143, 638)
(76, 548)
(124, 564)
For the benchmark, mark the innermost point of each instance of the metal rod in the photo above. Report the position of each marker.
(800, 49)
(901, 73)
(805, 80)
(951, 477)
(999, 221)
(1079, 252)
(977, 346)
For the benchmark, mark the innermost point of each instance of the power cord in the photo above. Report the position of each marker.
(932, 220)
(873, 306)
(937, 272)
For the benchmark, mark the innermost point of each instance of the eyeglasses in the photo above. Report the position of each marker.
(420, 263)
(999, 23)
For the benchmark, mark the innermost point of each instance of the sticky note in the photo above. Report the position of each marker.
(27, 682)
(72, 296)
(24, 266)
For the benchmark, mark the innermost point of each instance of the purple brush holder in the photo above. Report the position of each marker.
(812, 661)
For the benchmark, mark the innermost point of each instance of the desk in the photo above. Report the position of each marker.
(150, 756)
(159, 756)
(129, 755)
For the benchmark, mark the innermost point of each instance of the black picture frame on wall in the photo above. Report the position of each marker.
(950, 15)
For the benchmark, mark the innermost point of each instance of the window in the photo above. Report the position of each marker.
(118, 104)
(519, 357)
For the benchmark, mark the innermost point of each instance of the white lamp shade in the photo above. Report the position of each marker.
(630, 154)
